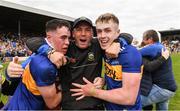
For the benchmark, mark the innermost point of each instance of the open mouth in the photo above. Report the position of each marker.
(104, 41)
(83, 40)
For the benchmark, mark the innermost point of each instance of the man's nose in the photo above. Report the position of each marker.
(83, 32)
(102, 35)
(67, 41)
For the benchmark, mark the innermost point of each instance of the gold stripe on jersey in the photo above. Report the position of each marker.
(29, 82)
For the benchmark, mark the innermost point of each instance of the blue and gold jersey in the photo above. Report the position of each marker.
(39, 72)
(130, 61)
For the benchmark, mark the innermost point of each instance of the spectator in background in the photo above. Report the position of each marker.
(163, 82)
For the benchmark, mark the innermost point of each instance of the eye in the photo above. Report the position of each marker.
(88, 29)
(63, 37)
(107, 30)
(78, 29)
(98, 31)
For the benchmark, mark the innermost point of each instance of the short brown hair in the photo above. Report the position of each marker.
(56, 23)
(151, 34)
(107, 17)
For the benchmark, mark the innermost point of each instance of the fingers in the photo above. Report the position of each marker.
(14, 69)
(77, 94)
(15, 65)
(95, 80)
(98, 82)
(77, 85)
(76, 90)
(13, 73)
(113, 50)
(165, 53)
(79, 98)
(15, 59)
(58, 59)
(86, 81)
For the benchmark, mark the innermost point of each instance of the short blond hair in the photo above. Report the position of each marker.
(105, 18)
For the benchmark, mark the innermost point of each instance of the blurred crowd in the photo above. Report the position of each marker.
(173, 46)
(11, 45)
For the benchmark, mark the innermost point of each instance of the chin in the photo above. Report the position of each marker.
(83, 47)
(103, 47)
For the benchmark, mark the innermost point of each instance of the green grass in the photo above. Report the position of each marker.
(2, 97)
(175, 101)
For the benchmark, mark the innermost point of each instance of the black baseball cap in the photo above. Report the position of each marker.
(82, 19)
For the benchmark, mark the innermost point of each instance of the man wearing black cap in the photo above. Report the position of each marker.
(86, 53)
(122, 75)
(85, 61)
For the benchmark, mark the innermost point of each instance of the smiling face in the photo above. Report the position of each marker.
(106, 33)
(82, 34)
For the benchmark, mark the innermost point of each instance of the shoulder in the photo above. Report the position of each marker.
(42, 70)
(41, 63)
(131, 58)
(131, 51)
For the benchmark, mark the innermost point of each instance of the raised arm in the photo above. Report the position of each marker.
(149, 65)
(125, 96)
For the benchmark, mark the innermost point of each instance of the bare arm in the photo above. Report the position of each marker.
(125, 96)
(50, 95)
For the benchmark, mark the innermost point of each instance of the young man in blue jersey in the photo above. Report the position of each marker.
(87, 56)
(37, 88)
(122, 74)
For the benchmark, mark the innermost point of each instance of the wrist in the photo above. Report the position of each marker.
(51, 51)
(93, 91)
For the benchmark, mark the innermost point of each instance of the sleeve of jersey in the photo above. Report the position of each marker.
(148, 51)
(44, 49)
(43, 75)
(24, 63)
(132, 62)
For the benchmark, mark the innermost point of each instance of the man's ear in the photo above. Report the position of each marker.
(48, 35)
(151, 40)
